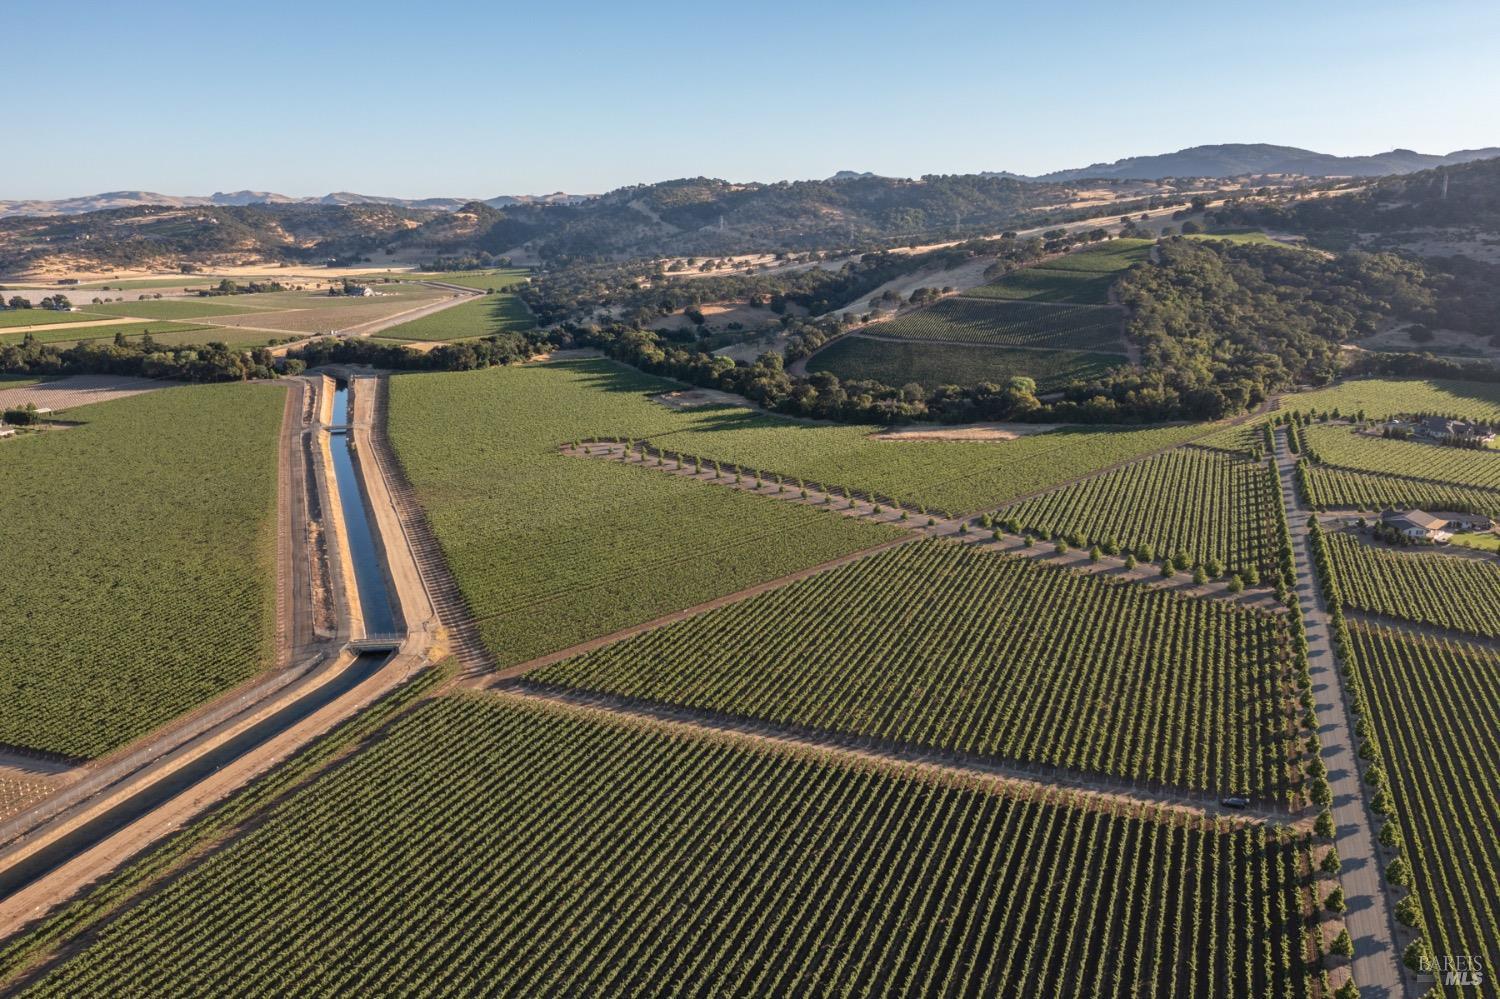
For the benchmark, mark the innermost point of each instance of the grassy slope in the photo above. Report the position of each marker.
(1383, 397)
(142, 558)
(482, 317)
(934, 364)
(498, 280)
(947, 475)
(551, 550)
(1011, 324)
(1080, 278)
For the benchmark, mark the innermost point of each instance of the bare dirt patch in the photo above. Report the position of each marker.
(698, 398)
(969, 274)
(567, 354)
(1451, 342)
(749, 350)
(1441, 243)
(983, 432)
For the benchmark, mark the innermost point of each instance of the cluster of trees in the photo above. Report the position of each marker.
(469, 355)
(479, 260)
(1223, 325)
(1466, 196)
(820, 395)
(216, 362)
(57, 303)
(22, 416)
(212, 362)
(228, 287)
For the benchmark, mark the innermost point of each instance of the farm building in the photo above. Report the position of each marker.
(1417, 524)
(1442, 429)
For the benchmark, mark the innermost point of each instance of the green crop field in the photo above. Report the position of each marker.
(1082, 278)
(1336, 488)
(1343, 447)
(482, 317)
(490, 846)
(1240, 236)
(1448, 591)
(1010, 324)
(935, 364)
(1244, 438)
(941, 645)
(1433, 705)
(227, 335)
(179, 308)
(500, 279)
(68, 335)
(1385, 397)
(1203, 503)
(141, 553)
(44, 317)
(551, 550)
(956, 476)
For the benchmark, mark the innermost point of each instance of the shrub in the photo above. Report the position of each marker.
(1409, 911)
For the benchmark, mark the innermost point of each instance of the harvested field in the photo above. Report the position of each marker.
(77, 390)
(181, 308)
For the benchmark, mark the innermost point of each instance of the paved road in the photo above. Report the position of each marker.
(1377, 969)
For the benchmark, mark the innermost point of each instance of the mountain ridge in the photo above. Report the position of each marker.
(106, 200)
(1237, 159)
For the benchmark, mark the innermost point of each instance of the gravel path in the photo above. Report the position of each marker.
(1376, 961)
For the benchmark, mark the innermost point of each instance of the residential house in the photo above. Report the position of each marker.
(1440, 428)
(1417, 524)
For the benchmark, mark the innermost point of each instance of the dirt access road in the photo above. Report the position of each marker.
(1377, 969)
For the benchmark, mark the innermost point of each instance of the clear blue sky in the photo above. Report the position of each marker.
(477, 99)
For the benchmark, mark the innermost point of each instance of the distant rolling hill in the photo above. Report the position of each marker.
(1240, 159)
(239, 199)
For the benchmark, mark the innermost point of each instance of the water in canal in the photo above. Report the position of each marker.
(369, 576)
